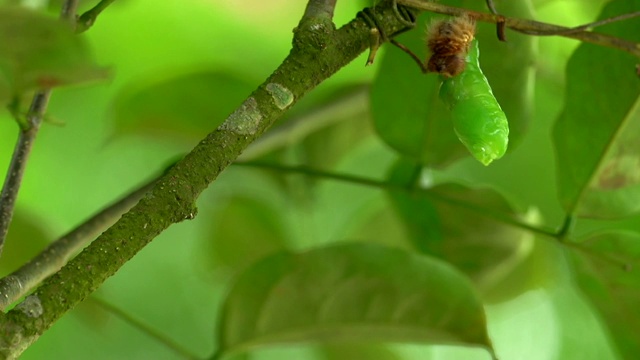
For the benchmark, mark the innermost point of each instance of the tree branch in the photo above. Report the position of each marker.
(53, 257)
(69, 10)
(319, 8)
(318, 52)
(530, 27)
(11, 187)
(86, 20)
(492, 7)
(349, 106)
(26, 137)
(383, 185)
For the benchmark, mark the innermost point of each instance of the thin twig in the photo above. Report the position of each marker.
(501, 217)
(144, 328)
(319, 8)
(69, 10)
(500, 24)
(492, 7)
(530, 27)
(56, 255)
(86, 20)
(15, 173)
(422, 65)
(567, 227)
(26, 138)
(595, 24)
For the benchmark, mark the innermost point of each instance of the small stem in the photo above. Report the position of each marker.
(86, 20)
(12, 183)
(69, 10)
(595, 24)
(566, 228)
(28, 132)
(492, 7)
(26, 138)
(530, 27)
(51, 259)
(144, 328)
(501, 21)
(421, 64)
(504, 218)
(319, 8)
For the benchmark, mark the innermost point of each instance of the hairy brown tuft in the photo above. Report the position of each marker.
(449, 41)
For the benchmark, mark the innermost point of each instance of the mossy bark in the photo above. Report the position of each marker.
(318, 52)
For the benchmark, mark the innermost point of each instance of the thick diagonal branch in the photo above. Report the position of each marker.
(318, 52)
(53, 257)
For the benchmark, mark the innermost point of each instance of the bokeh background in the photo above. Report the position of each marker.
(122, 132)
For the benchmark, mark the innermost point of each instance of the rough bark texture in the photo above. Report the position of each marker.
(318, 51)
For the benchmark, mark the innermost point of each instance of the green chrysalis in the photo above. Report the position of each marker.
(478, 120)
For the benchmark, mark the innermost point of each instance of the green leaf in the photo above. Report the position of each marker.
(607, 270)
(245, 230)
(463, 226)
(409, 116)
(581, 331)
(189, 104)
(595, 138)
(6, 93)
(27, 236)
(351, 292)
(359, 351)
(40, 51)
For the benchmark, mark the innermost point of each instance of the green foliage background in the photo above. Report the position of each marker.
(181, 66)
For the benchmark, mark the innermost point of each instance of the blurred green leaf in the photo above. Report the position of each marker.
(244, 231)
(607, 269)
(39, 51)
(583, 334)
(323, 148)
(55, 5)
(351, 292)
(598, 154)
(407, 112)
(5, 86)
(458, 224)
(26, 237)
(190, 104)
(358, 351)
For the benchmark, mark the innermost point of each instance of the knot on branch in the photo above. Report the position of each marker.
(313, 34)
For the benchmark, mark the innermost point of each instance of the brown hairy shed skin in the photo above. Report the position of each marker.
(449, 41)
